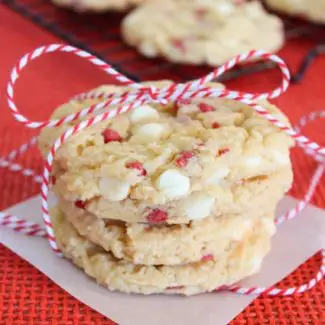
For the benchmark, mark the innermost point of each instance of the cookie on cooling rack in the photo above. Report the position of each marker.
(238, 260)
(97, 5)
(313, 10)
(161, 164)
(147, 244)
(201, 32)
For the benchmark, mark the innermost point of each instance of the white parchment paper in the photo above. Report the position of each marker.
(294, 242)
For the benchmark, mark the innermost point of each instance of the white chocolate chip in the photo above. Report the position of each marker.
(253, 161)
(219, 174)
(225, 8)
(151, 131)
(199, 206)
(173, 184)
(144, 113)
(114, 189)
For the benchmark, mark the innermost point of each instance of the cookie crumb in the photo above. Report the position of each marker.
(223, 151)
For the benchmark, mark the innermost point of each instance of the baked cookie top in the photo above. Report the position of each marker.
(201, 32)
(159, 155)
(313, 10)
(97, 5)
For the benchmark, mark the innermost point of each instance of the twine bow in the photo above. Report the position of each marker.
(139, 95)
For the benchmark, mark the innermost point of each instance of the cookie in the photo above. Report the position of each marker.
(238, 261)
(148, 244)
(165, 165)
(97, 5)
(313, 10)
(201, 32)
(250, 196)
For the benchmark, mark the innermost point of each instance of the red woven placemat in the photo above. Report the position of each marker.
(29, 297)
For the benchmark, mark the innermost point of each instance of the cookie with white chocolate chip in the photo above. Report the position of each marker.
(150, 244)
(97, 5)
(237, 261)
(201, 32)
(161, 164)
(313, 10)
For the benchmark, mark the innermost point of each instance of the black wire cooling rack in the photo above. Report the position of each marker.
(100, 35)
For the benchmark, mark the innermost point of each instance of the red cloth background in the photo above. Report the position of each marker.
(29, 297)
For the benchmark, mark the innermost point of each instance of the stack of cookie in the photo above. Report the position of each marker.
(169, 199)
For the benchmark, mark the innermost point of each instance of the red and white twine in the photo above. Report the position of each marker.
(135, 97)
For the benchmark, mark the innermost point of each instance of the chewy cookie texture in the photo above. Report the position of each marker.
(146, 244)
(169, 189)
(201, 32)
(240, 259)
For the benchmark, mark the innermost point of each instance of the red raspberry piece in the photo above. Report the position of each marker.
(208, 257)
(111, 135)
(215, 125)
(179, 44)
(200, 13)
(184, 158)
(204, 108)
(185, 101)
(80, 204)
(157, 216)
(53, 180)
(223, 151)
(137, 165)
